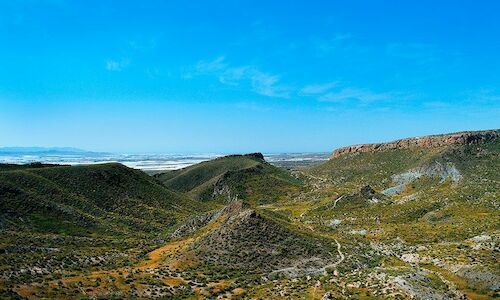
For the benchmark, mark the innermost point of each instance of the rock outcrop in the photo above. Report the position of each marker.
(431, 141)
(255, 155)
(250, 155)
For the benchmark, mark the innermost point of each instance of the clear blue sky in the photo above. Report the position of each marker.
(240, 76)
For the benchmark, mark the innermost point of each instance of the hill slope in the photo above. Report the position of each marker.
(442, 200)
(424, 188)
(78, 199)
(248, 241)
(248, 177)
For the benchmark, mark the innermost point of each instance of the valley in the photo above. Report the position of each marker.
(417, 218)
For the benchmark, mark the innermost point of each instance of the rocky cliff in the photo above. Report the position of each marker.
(431, 141)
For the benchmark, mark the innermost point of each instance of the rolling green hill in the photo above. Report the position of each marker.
(246, 177)
(85, 199)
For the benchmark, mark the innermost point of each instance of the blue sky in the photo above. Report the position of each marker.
(240, 76)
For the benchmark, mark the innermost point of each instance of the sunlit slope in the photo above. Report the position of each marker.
(84, 199)
(235, 177)
(445, 193)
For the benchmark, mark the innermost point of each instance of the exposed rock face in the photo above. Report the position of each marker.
(251, 155)
(435, 169)
(431, 141)
(255, 155)
(367, 191)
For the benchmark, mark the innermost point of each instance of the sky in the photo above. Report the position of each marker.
(244, 76)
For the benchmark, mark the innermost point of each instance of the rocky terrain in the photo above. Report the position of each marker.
(412, 219)
(432, 141)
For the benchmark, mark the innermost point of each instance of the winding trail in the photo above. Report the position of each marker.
(337, 200)
(341, 259)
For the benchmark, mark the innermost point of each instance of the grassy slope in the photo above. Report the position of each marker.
(246, 177)
(440, 216)
(62, 220)
(354, 170)
(437, 211)
(85, 199)
(187, 179)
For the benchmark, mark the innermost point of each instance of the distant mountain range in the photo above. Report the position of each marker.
(44, 151)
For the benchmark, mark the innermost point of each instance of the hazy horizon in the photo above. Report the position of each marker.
(192, 152)
(125, 152)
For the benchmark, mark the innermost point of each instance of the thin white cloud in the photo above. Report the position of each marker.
(260, 82)
(232, 76)
(314, 89)
(215, 65)
(271, 85)
(354, 94)
(268, 85)
(116, 65)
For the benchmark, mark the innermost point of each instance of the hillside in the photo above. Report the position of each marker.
(392, 222)
(35, 165)
(108, 197)
(248, 241)
(428, 190)
(246, 177)
(61, 219)
(434, 207)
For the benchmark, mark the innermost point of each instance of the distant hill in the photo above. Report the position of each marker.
(44, 151)
(248, 177)
(34, 165)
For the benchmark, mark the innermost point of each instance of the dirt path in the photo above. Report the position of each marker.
(341, 259)
(337, 200)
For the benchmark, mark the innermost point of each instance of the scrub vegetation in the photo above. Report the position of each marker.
(396, 223)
